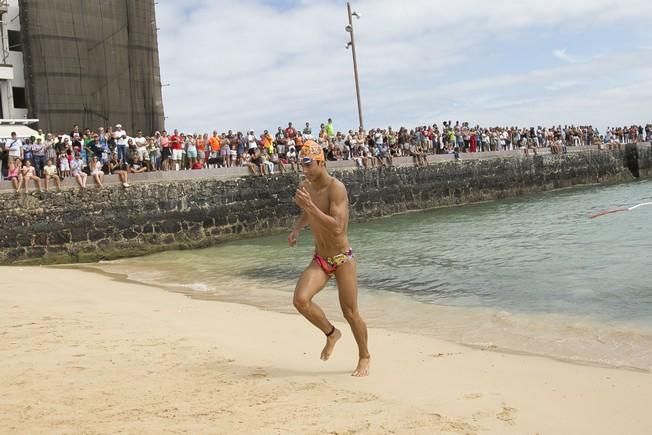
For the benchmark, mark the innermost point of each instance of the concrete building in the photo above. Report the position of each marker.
(87, 62)
(13, 103)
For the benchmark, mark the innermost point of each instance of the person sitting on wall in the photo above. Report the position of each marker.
(215, 158)
(378, 156)
(77, 171)
(276, 160)
(256, 162)
(267, 161)
(14, 174)
(368, 160)
(424, 155)
(29, 173)
(136, 166)
(119, 168)
(417, 155)
(50, 172)
(614, 144)
(96, 171)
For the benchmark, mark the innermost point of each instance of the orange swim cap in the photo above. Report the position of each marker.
(311, 151)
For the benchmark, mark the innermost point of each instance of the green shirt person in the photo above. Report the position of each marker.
(330, 130)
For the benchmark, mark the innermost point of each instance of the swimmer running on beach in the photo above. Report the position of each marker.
(325, 209)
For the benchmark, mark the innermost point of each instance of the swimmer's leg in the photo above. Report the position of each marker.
(312, 281)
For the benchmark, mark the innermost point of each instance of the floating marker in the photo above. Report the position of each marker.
(616, 210)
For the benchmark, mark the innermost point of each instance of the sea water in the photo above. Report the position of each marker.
(533, 275)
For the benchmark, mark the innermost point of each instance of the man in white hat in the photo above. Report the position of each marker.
(251, 140)
(120, 137)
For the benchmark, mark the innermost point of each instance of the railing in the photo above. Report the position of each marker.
(19, 121)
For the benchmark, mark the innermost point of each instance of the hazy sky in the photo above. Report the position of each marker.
(261, 63)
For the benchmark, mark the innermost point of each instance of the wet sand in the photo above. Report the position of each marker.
(83, 353)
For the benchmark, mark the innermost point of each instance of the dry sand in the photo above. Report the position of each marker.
(82, 353)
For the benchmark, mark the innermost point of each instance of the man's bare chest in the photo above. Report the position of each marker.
(321, 200)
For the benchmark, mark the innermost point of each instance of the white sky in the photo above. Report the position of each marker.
(259, 64)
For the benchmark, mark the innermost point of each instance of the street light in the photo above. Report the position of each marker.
(351, 44)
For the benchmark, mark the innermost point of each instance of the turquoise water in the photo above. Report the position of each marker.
(531, 275)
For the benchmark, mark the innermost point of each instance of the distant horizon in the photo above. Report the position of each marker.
(516, 63)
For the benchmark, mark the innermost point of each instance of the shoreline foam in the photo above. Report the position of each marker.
(495, 340)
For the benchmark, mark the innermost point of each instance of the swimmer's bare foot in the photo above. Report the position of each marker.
(330, 344)
(363, 367)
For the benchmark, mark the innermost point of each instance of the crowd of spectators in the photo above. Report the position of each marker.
(84, 154)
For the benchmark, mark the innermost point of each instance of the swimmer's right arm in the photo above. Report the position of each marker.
(302, 222)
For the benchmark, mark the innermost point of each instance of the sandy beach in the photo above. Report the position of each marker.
(83, 353)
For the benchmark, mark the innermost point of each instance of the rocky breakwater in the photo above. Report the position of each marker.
(150, 217)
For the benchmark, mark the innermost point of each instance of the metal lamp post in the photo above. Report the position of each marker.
(351, 44)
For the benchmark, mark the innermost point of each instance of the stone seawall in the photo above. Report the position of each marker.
(145, 218)
(638, 158)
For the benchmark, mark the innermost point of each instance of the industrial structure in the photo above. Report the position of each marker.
(86, 62)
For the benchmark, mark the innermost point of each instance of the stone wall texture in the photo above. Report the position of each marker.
(46, 228)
